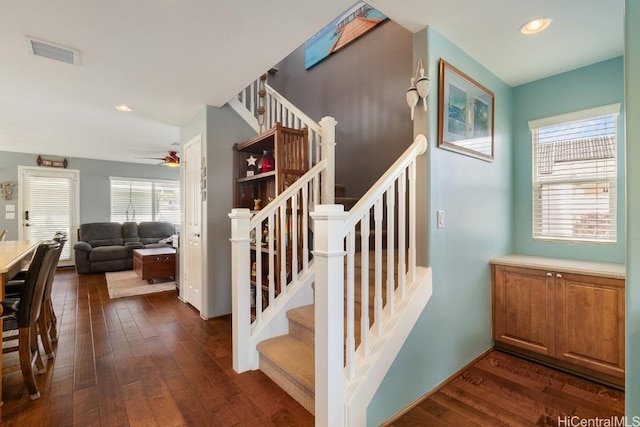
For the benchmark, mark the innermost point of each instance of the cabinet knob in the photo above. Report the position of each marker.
(549, 274)
(559, 276)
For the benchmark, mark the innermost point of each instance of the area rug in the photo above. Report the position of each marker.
(127, 283)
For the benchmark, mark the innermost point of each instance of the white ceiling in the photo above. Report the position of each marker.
(170, 58)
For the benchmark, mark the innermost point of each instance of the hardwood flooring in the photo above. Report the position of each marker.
(142, 361)
(504, 390)
(152, 361)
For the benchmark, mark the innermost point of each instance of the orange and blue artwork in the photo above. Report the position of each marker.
(358, 20)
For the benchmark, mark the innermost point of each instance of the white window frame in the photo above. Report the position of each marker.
(540, 230)
(153, 183)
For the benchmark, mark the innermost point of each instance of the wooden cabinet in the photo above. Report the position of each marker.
(289, 148)
(574, 320)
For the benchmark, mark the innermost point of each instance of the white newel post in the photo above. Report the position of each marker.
(329, 306)
(328, 151)
(240, 294)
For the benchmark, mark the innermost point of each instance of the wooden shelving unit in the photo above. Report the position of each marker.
(289, 148)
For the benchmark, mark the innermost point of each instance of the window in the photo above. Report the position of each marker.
(145, 200)
(574, 176)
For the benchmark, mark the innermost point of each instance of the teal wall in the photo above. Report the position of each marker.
(592, 86)
(476, 197)
(632, 99)
(95, 189)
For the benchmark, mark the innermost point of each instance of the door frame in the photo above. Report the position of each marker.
(203, 229)
(73, 174)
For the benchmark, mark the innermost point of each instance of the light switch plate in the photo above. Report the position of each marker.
(10, 208)
(10, 215)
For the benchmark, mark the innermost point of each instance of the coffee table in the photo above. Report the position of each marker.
(154, 263)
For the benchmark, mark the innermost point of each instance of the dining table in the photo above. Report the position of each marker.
(14, 256)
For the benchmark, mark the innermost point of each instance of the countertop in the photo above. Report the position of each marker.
(592, 268)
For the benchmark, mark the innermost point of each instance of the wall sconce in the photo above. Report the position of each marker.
(420, 87)
(5, 190)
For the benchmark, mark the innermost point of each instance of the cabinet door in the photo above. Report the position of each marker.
(524, 308)
(590, 322)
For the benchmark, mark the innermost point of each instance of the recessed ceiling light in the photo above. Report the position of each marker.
(535, 26)
(124, 108)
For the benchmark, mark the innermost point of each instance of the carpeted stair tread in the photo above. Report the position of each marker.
(292, 356)
(304, 316)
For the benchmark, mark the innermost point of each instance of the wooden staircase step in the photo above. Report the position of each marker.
(290, 363)
(339, 190)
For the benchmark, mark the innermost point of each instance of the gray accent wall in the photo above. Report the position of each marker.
(362, 86)
(95, 190)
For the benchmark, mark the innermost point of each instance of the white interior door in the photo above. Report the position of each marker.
(191, 237)
(48, 204)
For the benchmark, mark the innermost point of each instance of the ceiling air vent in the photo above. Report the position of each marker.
(52, 51)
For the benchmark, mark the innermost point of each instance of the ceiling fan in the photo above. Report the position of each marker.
(171, 159)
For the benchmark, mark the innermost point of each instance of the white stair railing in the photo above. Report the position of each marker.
(391, 205)
(281, 232)
(277, 109)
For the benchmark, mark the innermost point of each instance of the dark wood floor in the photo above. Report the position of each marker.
(152, 361)
(503, 390)
(142, 361)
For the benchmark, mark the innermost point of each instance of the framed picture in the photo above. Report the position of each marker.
(465, 114)
(355, 22)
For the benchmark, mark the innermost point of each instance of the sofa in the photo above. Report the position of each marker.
(108, 246)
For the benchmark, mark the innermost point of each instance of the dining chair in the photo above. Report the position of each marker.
(47, 321)
(22, 314)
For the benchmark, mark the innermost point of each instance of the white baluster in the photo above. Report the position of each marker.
(272, 255)
(390, 248)
(377, 302)
(294, 238)
(258, 278)
(402, 230)
(350, 339)
(305, 228)
(282, 249)
(328, 152)
(412, 221)
(364, 271)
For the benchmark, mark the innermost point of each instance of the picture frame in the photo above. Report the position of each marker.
(465, 114)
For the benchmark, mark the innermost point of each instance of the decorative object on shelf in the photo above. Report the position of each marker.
(265, 233)
(420, 87)
(6, 190)
(465, 114)
(266, 163)
(52, 163)
(252, 236)
(256, 204)
(251, 165)
(262, 92)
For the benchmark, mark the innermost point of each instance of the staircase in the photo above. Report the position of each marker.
(313, 336)
(289, 359)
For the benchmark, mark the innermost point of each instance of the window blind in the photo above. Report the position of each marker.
(574, 176)
(50, 208)
(145, 200)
